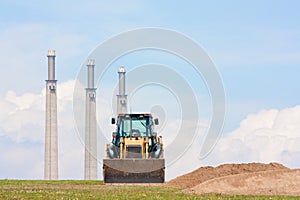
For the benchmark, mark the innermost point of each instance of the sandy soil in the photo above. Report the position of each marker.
(275, 182)
(251, 178)
(207, 173)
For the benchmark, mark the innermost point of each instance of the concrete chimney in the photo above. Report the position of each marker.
(51, 152)
(90, 162)
(51, 65)
(91, 65)
(122, 97)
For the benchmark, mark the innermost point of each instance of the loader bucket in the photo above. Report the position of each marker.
(134, 170)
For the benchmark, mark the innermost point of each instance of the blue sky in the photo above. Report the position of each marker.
(254, 44)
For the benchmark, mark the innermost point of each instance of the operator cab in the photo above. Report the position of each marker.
(136, 127)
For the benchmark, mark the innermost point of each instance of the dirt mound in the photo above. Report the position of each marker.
(275, 182)
(207, 173)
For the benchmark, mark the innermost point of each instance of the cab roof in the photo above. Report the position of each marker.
(135, 115)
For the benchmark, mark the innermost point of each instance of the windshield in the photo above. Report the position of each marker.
(140, 127)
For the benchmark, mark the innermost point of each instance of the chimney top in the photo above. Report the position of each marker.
(122, 69)
(91, 62)
(51, 52)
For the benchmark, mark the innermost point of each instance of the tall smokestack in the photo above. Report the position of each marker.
(51, 158)
(122, 97)
(90, 162)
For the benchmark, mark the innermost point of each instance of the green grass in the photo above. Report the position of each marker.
(31, 189)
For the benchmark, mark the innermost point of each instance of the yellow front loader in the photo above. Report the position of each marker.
(136, 153)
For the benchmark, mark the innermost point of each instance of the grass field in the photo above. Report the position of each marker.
(21, 189)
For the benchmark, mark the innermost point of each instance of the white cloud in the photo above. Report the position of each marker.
(267, 136)
(22, 126)
(270, 135)
(22, 121)
(22, 118)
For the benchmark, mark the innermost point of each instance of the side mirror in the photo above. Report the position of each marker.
(156, 122)
(113, 120)
(114, 134)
